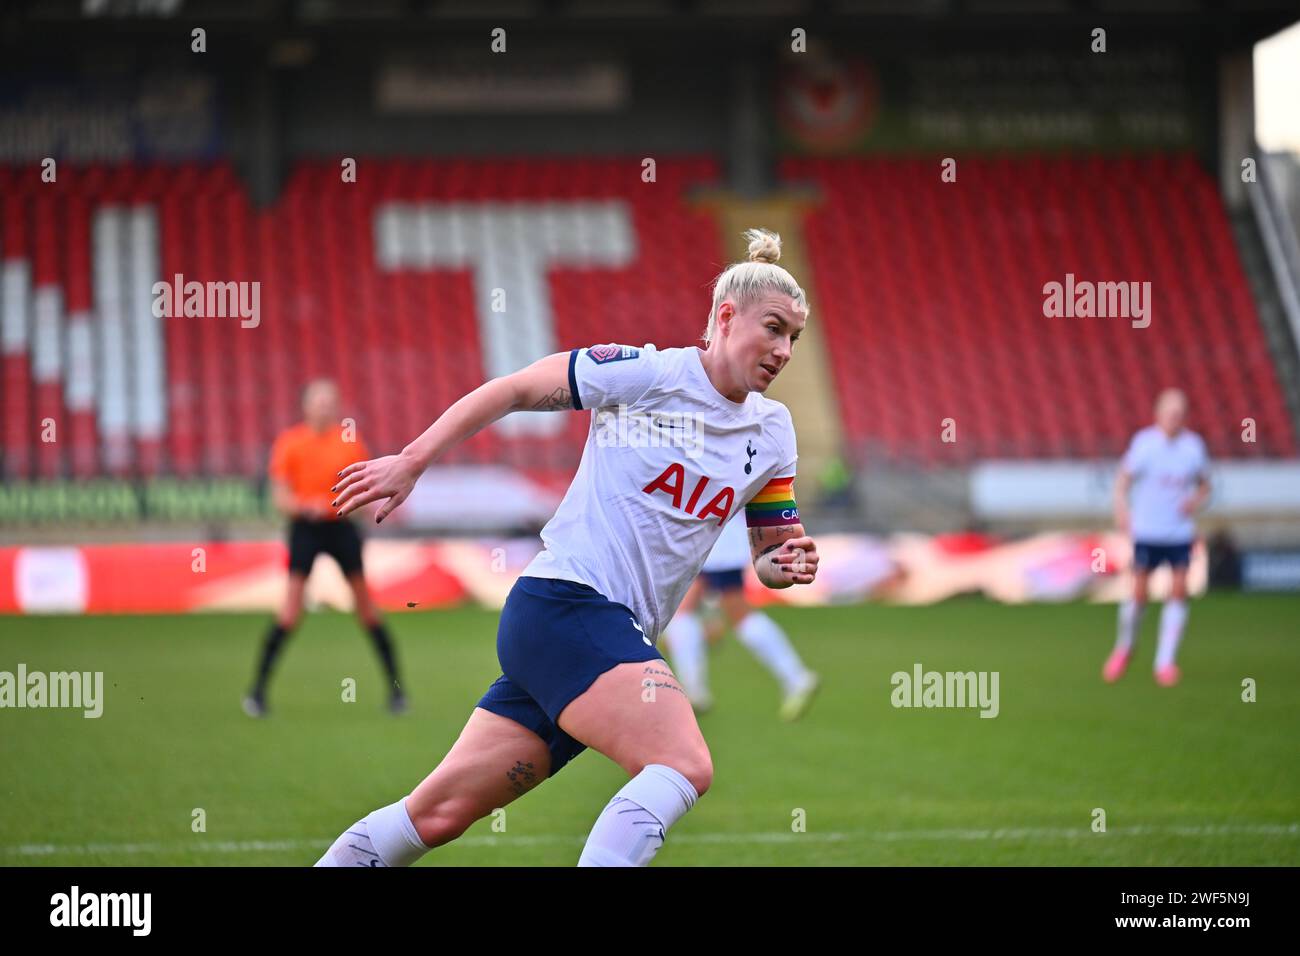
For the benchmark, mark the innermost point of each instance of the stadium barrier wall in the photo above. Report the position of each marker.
(435, 573)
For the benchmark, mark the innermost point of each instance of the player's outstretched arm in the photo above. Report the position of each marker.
(783, 555)
(541, 387)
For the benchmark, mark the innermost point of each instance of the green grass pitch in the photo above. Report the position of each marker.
(1189, 775)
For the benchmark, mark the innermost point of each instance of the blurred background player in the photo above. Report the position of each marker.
(687, 633)
(1165, 468)
(305, 462)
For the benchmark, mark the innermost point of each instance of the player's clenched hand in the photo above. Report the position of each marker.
(795, 561)
(362, 482)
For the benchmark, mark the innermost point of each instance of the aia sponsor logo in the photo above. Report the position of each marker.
(673, 482)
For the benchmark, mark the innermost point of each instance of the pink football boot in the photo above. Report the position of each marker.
(1116, 665)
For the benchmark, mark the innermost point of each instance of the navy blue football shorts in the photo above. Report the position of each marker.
(1148, 557)
(553, 640)
(727, 580)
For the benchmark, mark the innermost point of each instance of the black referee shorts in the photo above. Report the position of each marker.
(339, 539)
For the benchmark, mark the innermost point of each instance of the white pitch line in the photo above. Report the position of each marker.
(878, 836)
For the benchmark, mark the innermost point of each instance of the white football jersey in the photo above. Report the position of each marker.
(1165, 472)
(668, 461)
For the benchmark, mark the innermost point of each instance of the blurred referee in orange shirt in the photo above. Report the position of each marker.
(305, 462)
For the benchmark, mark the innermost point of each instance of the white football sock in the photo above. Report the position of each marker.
(766, 641)
(386, 837)
(686, 647)
(352, 848)
(1173, 617)
(1130, 619)
(630, 830)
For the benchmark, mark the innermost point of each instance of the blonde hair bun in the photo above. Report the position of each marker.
(764, 246)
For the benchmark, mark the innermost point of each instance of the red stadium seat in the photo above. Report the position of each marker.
(944, 305)
(931, 295)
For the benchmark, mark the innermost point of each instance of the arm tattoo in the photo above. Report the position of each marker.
(554, 402)
(756, 535)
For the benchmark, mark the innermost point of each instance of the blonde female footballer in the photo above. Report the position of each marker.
(577, 635)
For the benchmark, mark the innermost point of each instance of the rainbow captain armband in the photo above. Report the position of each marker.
(773, 505)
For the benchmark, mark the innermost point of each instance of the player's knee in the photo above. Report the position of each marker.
(696, 766)
(289, 620)
(737, 608)
(699, 771)
(442, 822)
